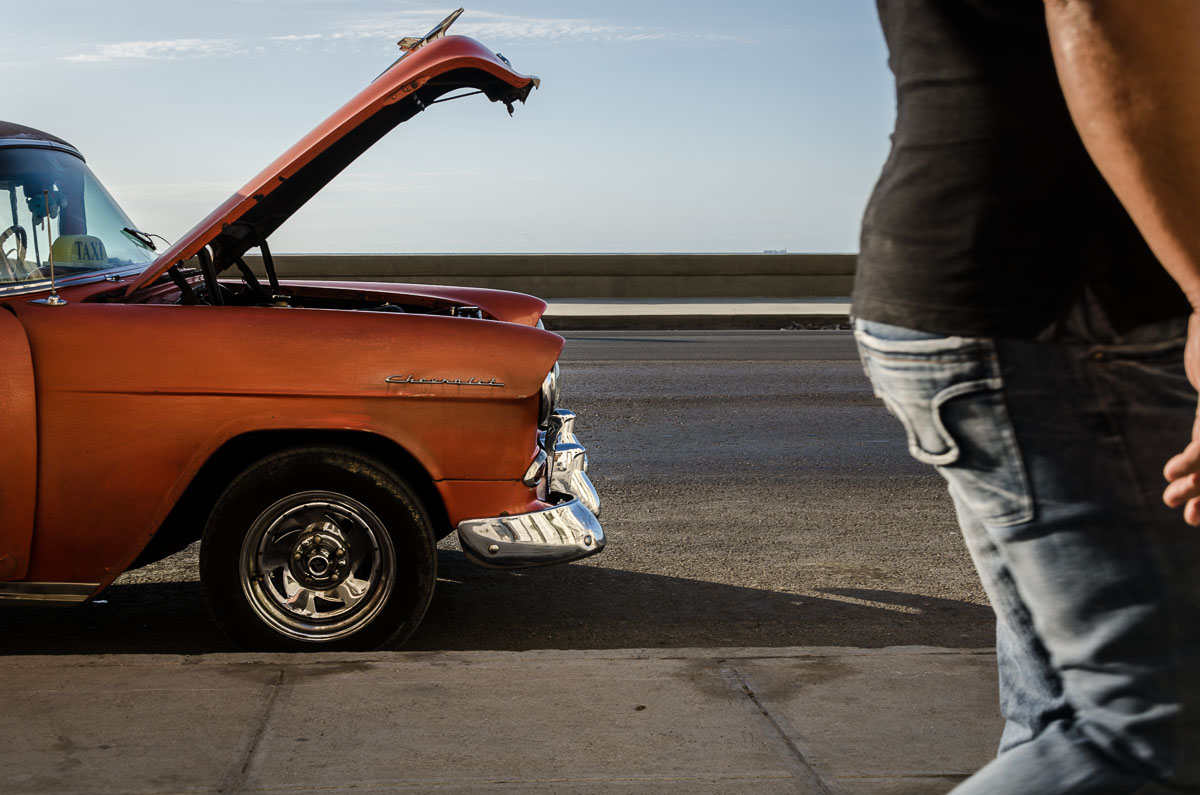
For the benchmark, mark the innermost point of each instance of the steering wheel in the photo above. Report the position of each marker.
(14, 264)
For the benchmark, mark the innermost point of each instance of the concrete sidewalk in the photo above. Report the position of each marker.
(581, 314)
(898, 721)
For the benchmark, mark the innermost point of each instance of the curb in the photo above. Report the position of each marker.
(693, 322)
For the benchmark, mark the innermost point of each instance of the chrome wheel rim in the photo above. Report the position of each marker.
(317, 566)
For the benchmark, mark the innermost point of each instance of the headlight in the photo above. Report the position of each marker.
(551, 392)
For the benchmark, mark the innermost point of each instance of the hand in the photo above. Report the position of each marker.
(1183, 471)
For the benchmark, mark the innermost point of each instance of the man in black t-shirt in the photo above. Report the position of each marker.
(1025, 305)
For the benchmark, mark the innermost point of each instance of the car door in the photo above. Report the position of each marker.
(18, 461)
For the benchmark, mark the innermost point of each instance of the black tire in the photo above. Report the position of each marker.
(318, 549)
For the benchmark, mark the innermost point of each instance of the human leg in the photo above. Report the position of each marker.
(1031, 693)
(1108, 572)
(911, 369)
(1054, 460)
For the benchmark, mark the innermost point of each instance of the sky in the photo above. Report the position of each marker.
(684, 126)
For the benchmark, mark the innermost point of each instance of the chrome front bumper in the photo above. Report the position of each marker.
(566, 531)
(569, 473)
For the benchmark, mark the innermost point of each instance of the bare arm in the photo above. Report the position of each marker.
(1130, 71)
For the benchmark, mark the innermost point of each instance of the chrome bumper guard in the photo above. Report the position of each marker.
(566, 531)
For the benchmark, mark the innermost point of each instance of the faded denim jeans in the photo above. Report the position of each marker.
(1054, 454)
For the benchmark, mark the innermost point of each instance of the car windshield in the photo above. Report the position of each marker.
(51, 203)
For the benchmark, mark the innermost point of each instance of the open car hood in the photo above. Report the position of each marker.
(248, 217)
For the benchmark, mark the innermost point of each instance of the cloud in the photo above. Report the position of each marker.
(488, 26)
(503, 26)
(305, 37)
(171, 49)
(494, 27)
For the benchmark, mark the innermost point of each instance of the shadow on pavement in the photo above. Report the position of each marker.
(565, 607)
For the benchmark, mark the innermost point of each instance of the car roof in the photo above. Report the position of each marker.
(10, 131)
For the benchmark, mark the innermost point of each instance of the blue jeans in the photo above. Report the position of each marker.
(1054, 455)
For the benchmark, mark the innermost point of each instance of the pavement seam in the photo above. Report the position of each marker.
(246, 753)
(485, 784)
(251, 661)
(782, 737)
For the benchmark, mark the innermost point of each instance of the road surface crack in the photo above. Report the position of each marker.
(785, 740)
(235, 778)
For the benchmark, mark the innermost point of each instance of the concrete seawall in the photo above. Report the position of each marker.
(553, 276)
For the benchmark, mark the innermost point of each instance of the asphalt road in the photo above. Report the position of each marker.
(755, 494)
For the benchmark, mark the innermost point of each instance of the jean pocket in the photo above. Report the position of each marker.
(989, 472)
(950, 400)
(928, 439)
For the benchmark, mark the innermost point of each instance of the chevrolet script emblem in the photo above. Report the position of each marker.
(408, 379)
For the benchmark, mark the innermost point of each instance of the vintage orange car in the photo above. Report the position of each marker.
(319, 437)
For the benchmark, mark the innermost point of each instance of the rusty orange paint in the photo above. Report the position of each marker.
(122, 437)
(18, 462)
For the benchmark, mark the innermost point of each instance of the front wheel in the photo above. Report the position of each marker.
(318, 549)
